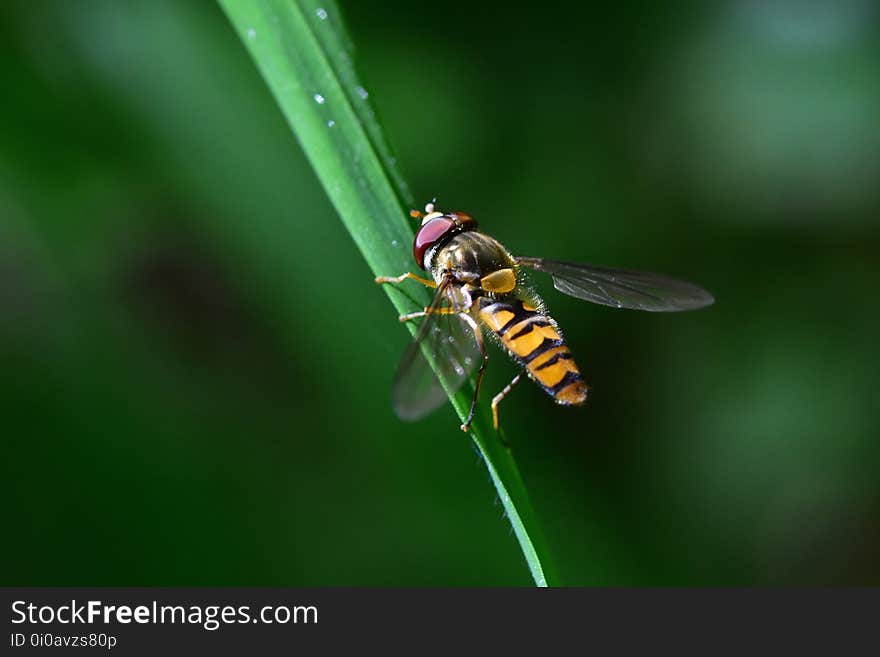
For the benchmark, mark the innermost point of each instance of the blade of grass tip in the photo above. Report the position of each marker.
(303, 52)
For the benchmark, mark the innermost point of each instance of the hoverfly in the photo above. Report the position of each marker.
(480, 284)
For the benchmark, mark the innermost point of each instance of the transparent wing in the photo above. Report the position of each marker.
(447, 341)
(622, 288)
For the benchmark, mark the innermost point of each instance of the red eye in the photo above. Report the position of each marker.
(428, 235)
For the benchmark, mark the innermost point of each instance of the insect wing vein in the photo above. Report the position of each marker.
(621, 288)
(444, 352)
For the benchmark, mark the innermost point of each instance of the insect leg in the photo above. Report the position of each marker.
(400, 279)
(427, 311)
(501, 395)
(478, 335)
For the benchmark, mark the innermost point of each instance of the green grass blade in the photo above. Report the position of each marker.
(304, 54)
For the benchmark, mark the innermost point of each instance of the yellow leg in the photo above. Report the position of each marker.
(427, 311)
(397, 280)
(501, 395)
(415, 315)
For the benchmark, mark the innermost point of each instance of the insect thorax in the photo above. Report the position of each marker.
(469, 256)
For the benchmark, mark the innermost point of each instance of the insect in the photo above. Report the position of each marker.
(479, 284)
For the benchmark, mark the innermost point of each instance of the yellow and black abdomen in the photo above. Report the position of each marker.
(534, 340)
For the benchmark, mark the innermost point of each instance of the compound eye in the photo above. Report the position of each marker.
(428, 235)
(467, 221)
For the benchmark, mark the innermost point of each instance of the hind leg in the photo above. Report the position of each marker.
(501, 395)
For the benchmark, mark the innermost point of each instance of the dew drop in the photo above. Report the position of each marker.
(451, 338)
(362, 92)
(321, 13)
(395, 243)
(331, 123)
(459, 370)
(319, 99)
(251, 33)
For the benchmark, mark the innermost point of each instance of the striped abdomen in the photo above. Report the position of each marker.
(533, 339)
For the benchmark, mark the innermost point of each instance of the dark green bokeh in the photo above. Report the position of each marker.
(196, 364)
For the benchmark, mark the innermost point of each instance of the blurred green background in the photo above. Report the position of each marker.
(196, 363)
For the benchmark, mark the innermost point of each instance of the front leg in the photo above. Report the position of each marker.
(397, 280)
